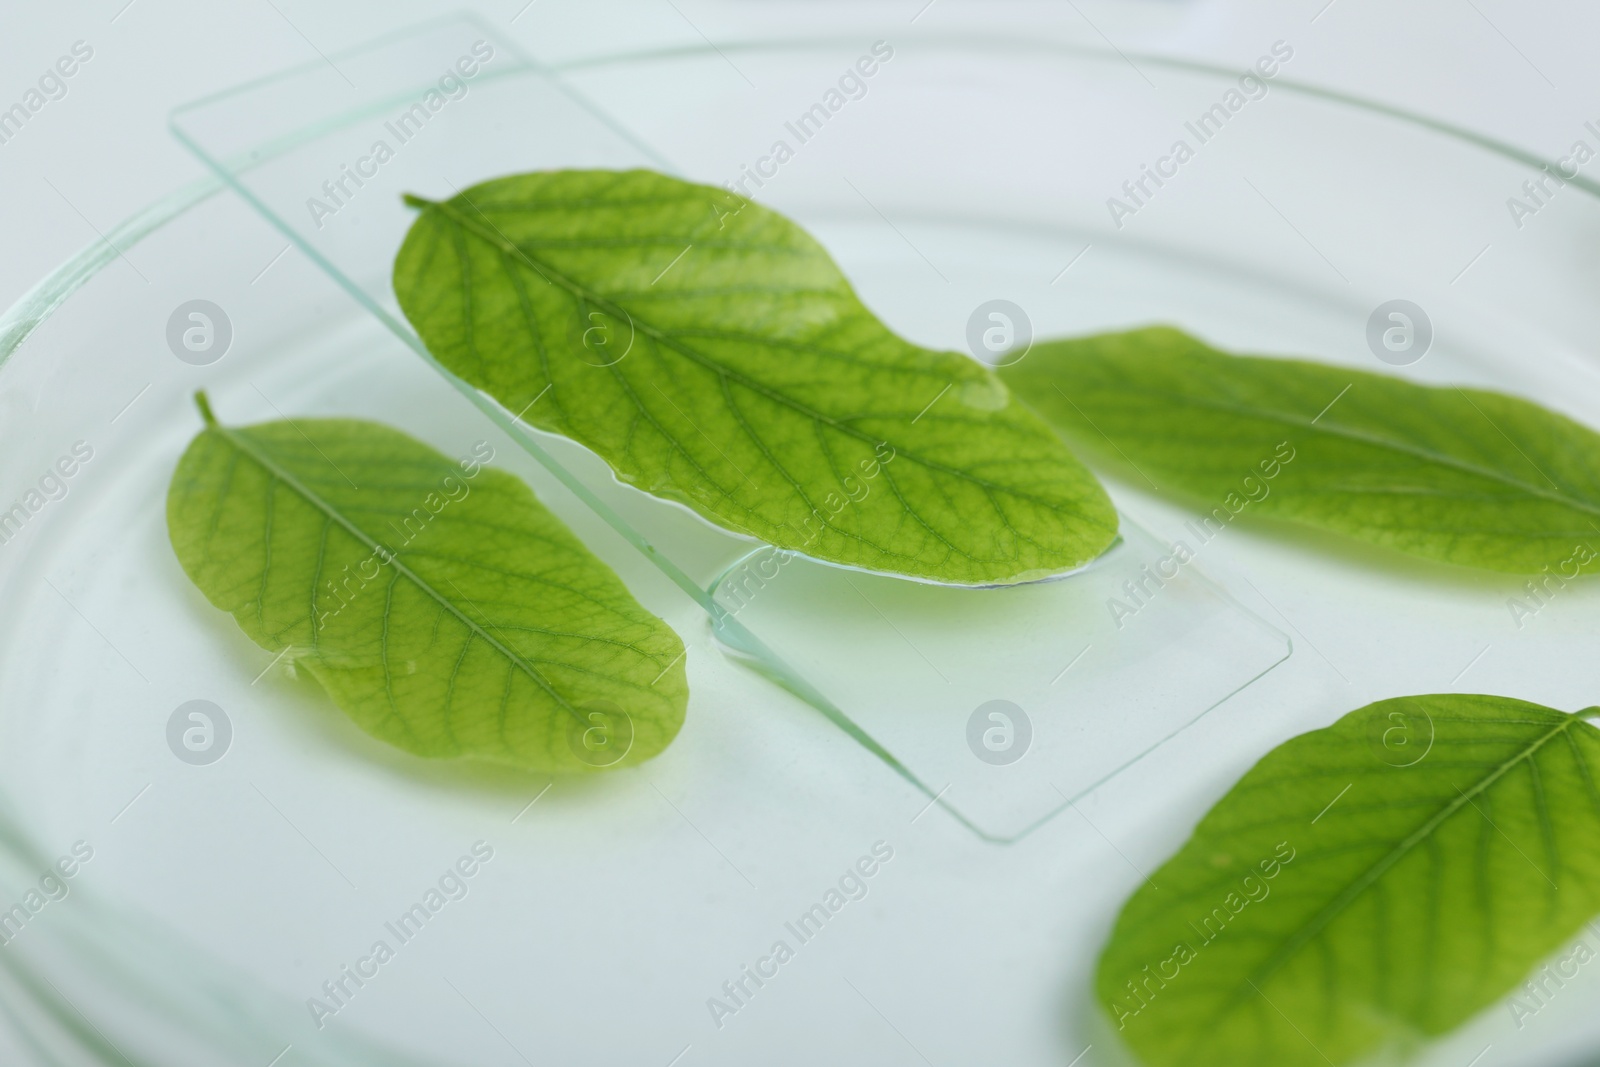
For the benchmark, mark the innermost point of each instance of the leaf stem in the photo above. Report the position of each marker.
(203, 402)
(413, 200)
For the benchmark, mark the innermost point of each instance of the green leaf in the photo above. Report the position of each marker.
(1377, 881)
(1460, 475)
(713, 354)
(438, 602)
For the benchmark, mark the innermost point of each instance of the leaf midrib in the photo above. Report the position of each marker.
(1330, 911)
(669, 340)
(272, 467)
(1333, 430)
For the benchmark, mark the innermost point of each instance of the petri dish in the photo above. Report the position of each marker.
(301, 820)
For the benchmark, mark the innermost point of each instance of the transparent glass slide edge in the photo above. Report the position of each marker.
(275, 109)
(1017, 701)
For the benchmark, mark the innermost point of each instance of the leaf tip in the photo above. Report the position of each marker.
(203, 402)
